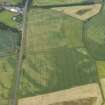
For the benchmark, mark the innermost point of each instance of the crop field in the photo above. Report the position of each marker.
(95, 37)
(7, 75)
(57, 35)
(56, 57)
(62, 52)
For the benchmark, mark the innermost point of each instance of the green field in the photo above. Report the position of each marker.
(56, 57)
(9, 42)
(57, 69)
(7, 75)
(58, 54)
(6, 18)
(95, 36)
(55, 30)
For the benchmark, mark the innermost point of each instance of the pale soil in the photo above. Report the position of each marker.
(77, 93)
(87, 101)
(103, 84)
(81, 12)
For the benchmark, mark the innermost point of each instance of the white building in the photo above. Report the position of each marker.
(14, 9)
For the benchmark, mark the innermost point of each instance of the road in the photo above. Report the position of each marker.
(20, 56)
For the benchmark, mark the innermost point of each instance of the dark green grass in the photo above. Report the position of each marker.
(9, 41)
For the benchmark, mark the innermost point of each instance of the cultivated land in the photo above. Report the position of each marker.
(95, 38)
(46, 49)
(52, 52)
(7, 75)
(59, 54)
